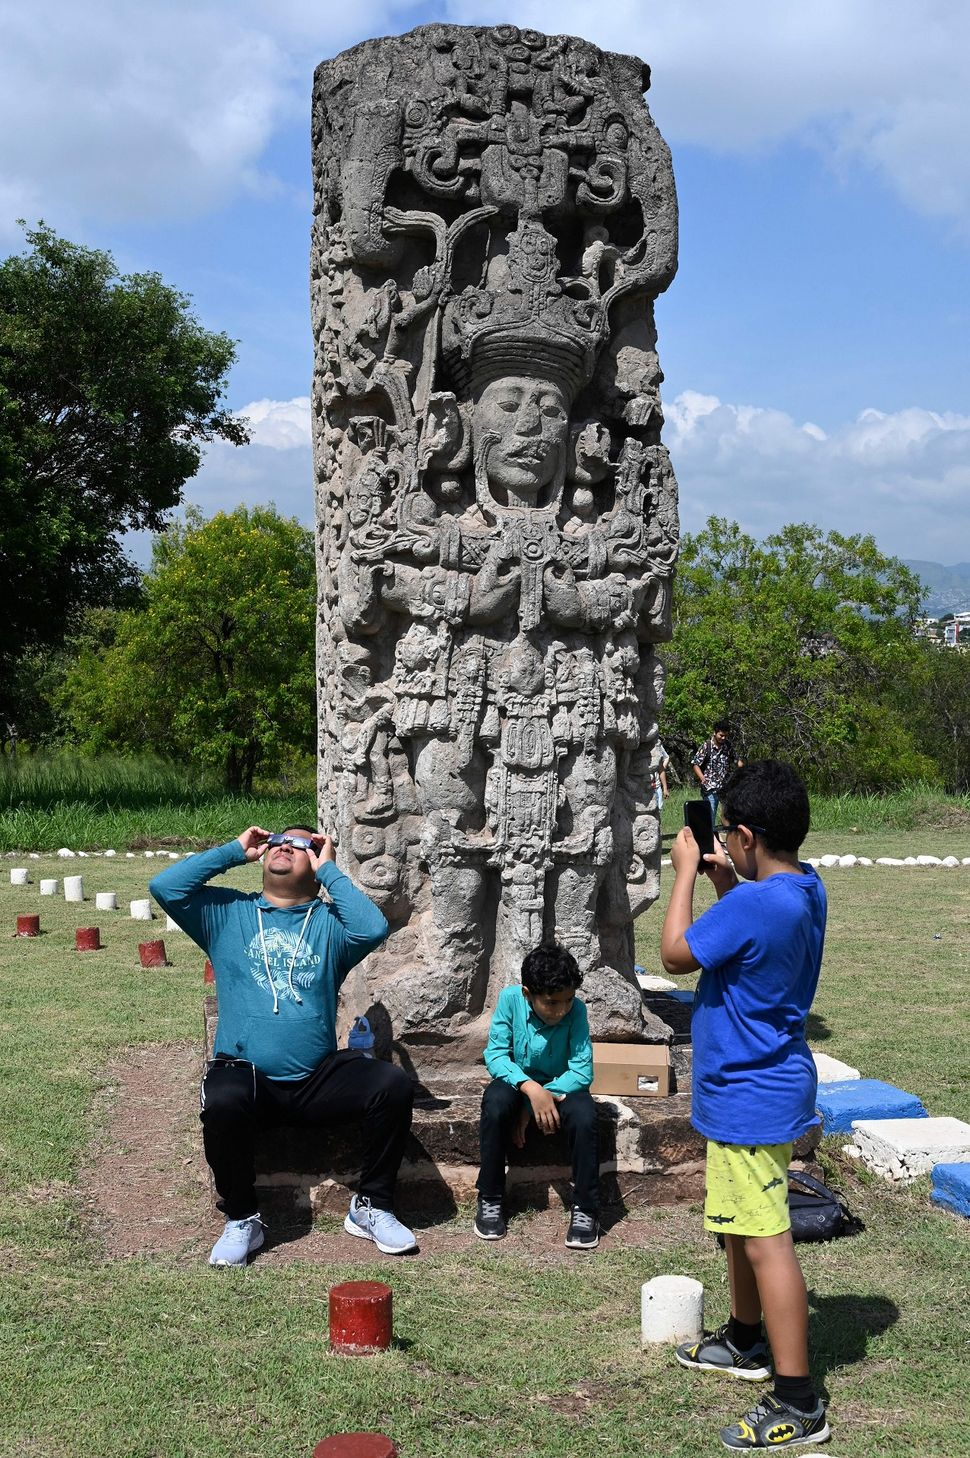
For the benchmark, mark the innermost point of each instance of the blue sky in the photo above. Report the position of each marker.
(814, 341)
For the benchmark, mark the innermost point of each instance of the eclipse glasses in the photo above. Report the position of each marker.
(298, 842)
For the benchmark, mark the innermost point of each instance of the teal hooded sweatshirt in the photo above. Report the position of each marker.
(278, 987)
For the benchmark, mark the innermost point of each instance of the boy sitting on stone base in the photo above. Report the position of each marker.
(754, 1082)
(541, 1061)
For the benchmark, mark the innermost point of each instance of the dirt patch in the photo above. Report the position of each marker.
(147, 1186)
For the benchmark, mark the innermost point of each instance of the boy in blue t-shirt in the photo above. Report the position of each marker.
(754, 1082)
(541, 1061)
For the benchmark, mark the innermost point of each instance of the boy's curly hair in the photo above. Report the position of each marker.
(768, 792)
(550, 968)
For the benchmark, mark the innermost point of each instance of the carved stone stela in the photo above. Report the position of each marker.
(497, 517)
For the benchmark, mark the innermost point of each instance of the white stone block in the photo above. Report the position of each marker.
(83, 855)
(888, 861)
(812, 861)
(73, 888)
(141, 910)
(848, 860)
(49, 886)
(172, 855)
(864, 861)
(171, 925)
(928, 861)
(949, 861)
(19, 876)
(64, 853)
(828, 861)
(129, 855)
(965, 861)
(149, 855)
(671, 1310)
(910, 861)
(35, 855)
(111, 853)
(650, 982)
(106, 900)
(908, 1148)
(831, 1070)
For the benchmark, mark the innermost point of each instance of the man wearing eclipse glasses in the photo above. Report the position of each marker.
(280, 956)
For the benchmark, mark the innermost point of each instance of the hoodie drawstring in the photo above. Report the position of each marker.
(289, 973)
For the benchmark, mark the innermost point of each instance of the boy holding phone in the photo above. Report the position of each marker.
(759, 949)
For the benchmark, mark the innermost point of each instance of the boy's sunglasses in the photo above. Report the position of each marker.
(298, 842)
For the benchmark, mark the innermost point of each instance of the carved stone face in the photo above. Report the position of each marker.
(522, 425)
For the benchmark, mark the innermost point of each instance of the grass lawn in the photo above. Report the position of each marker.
(497, 1356)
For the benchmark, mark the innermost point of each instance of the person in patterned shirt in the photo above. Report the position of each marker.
(714, 763)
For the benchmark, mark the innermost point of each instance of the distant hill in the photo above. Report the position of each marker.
(947, 588)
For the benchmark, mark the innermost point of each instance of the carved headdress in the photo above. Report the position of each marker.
(528, 326)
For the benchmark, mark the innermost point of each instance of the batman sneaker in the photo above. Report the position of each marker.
(715, 1353)
(773, 1424)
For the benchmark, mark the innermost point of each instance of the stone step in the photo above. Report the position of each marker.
(951, 1187)
(904, 1149)
(841, 1104)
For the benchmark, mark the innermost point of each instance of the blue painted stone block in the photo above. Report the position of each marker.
(951, 1187)
(864, 1098)
(681, 994)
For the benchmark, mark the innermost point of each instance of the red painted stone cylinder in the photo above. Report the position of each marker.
(209, 975)
(355, 1445)
(152, 954)
(87, 939)
(360, 1317)
(28, 926)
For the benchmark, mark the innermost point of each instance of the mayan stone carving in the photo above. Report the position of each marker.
(495, 214)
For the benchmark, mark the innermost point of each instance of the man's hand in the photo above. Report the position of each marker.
(253, 842)
(522, 1123)
(543, 1106)
(322, 850)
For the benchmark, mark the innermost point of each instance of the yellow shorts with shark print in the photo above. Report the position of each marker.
(747, 1189)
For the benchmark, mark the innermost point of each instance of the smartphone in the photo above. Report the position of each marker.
(697, 815)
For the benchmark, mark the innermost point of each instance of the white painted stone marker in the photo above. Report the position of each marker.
(19, 876)
(73, 888)
(671, 1310)
(171, 925)
(832, 1070)
(106, 900)
(49, 886)
(904, 1149)
(141, 910)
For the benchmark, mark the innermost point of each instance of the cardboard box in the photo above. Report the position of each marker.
(631, 1068)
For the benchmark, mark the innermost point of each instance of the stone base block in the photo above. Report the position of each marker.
(831, 1070)
(951, 1187)
(841, 1104)
(904, 1149)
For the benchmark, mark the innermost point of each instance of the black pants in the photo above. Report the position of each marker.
(237, 1100)
(501, 1107)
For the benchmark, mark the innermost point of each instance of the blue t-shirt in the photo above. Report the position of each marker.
(760, 947)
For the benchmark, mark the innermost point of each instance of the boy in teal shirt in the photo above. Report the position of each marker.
(541, 1061)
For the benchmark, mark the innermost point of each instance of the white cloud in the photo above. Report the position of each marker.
(279, 424)
(887, 86)
(121, 111)
(904, 477)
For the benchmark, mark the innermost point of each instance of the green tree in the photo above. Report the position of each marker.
(217, 667)
(804, 642)
(109, 388)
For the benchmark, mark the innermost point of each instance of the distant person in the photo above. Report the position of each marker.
(713, 764)
(280, 956)
(541, 1061)
(660, 775)
(759, 951)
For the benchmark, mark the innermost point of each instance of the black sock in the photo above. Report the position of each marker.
(743, 1334)
(796, 1392)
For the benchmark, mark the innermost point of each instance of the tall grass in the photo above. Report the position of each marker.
(917, 806)
(115, 801)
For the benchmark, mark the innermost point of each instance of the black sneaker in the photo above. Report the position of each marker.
(584, 1230)
(773, 1424)
(490, 1222)
(715, 1353)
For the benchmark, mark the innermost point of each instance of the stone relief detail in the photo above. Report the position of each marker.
(497, 516)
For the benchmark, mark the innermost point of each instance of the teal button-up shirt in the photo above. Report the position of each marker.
(521, 1046)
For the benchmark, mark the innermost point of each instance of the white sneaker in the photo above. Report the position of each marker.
(380, 1226)
(237, 1242)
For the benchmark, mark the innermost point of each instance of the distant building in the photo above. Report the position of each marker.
(956, 633)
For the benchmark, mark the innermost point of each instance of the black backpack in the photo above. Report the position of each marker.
(817, 1213)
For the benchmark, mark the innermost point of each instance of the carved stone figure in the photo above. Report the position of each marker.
(495, 215)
